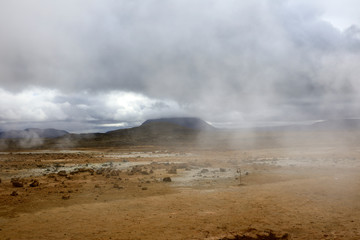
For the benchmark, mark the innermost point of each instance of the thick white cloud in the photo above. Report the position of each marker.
(342, 14)
(111, 62)
(105, 110)
(31, 105)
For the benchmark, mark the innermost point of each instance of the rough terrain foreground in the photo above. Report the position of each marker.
(149, 193)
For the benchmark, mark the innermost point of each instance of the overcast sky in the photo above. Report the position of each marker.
(91, 65)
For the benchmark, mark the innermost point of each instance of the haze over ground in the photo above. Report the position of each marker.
(87, 66)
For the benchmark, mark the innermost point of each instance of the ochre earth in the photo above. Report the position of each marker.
(121, 194)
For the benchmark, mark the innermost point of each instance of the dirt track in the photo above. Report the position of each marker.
(122, 195)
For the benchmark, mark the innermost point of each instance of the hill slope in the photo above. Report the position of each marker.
(192, 123)
(33, 133)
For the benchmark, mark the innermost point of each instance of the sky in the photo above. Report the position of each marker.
(94, 66)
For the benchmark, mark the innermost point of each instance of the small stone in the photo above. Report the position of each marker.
(66, 197)
(35, 183)
(166, 179)
(144, 188)
(222, 170)
(17, 183)
(117, 186)
(62, 173)
(74, 172)
(114, 173)
(14, 193)
(172, 170)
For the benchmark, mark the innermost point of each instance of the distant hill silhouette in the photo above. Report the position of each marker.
(164, 131)
(341, 124)
(192, 123)
(327, 125)
(33, 133)
(190, 132)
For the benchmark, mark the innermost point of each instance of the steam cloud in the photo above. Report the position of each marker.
(121, 62)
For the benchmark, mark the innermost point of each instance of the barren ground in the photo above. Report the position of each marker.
(120, 194)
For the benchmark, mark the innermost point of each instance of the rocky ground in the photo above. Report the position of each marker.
(148, 193)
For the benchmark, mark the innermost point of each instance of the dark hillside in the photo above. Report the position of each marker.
(33, 133)
(192, 123)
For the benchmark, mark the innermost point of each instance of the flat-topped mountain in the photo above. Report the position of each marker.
(33, 133)
(190, 132)
(164, 131)
(187, 122)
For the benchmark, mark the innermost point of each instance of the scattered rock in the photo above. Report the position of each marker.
(89, 170)
(62, 173)
(35, 183)
(117, 186)
(204, 170)
(74, 172)
(97, 186)
(115, 173)
(144, 188)
(166, 179)
(268, 236)
(222, 170)
(16, 182)
(14, 193)
(172, 170)
(66, 197)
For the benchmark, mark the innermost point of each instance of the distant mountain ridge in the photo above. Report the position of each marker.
(187, 122)
(186, 132)
(325, 125)
(340, 124)
(33, 133)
